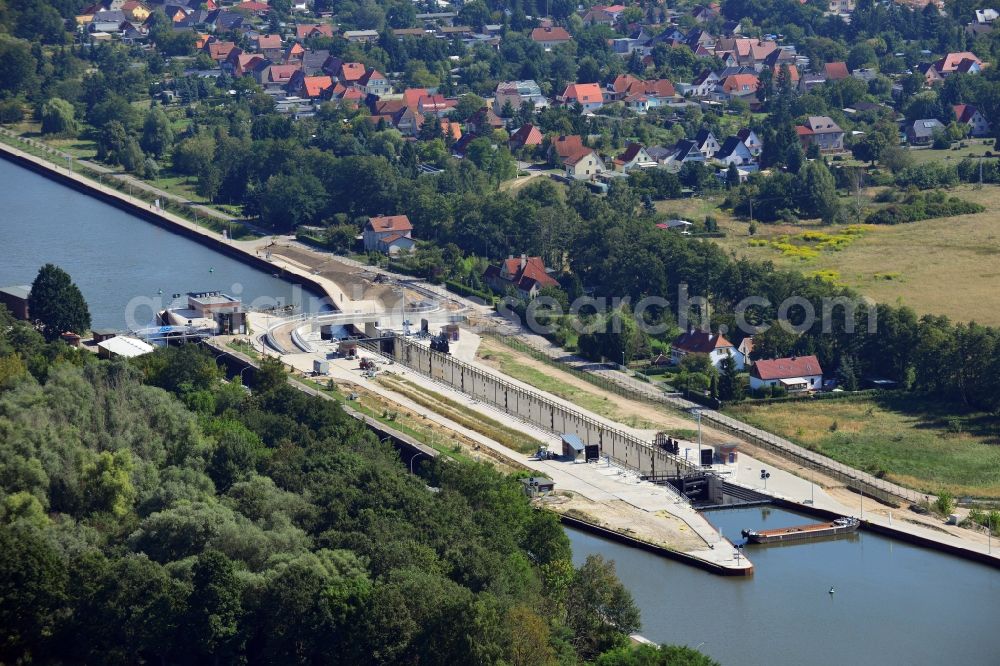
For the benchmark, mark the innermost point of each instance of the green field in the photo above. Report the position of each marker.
(943, 266)
(918, 443)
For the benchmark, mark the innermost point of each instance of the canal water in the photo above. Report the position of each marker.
(892, 603)
(120, 262)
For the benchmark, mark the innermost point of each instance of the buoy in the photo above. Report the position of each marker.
(159, 291)
(211, 270)
(832, 590)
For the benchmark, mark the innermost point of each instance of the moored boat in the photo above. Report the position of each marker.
(797, 533)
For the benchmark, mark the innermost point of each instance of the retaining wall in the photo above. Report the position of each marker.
(533, 407)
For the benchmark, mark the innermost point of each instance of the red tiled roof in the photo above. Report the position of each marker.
(526, 135)
(533, 272)
(553, 34)
(950, 62)
(269, 42)
(697, 341)
(836, 71)
(351, 71)
(394, 223)
(585, 93)
(313, 29)
(315, 85)
(567, 145)
(411, 96)
(787, 368)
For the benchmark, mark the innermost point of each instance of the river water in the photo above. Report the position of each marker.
(893, 603)
(120, 262)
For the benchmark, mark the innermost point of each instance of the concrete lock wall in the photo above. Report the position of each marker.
(525, 404)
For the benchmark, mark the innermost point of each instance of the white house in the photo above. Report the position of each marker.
(584, 165)
(697, 341)
(389, 234)
(734, 151)
(796, 374)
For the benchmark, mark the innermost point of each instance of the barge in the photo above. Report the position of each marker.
(813, 531)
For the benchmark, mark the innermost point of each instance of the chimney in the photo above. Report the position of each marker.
(524, 261)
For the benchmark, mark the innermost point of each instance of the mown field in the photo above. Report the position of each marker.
(918, 443)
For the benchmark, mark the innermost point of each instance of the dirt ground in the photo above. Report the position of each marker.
(357, 283)
(659, 528)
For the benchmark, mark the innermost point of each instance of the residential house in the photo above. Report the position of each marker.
(435, 105)
(930, 73)
(585, 164)
(348, 73)
(697, 341)
(964, 62)
(563, 147)
(836, 71)
(737, 86)
(135, 11)
(219, 51)
(269, 45)
(411, 97)
(449, 128)
(747, 51)
(526, 136)
(527, 275)
(986, 16)
(311, 87)
(306, 31)
(634, 157)
(840, 6)
(751, 141)
(811, 80)
(966, 114)
(823, 132)
(389, 234)
(373, 82)
(274, 77)
(675, 225)
(483, 122)
(550, 37)
(603, 15)
(361, 36)
(253, 8)
(707, 144)
(110, 22)
(516, 93)
(734, 151)
(293, 53)
(921, 132)
(702, 86)
(685, 151)
(587, 95)
(795, 374)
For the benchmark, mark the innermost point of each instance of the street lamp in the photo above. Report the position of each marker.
(249, 367)
(414, 457)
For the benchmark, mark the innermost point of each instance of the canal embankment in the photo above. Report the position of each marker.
(247, 252)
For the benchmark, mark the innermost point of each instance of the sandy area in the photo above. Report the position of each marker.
(357, 283)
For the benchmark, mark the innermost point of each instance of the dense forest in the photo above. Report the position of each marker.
(152, 511)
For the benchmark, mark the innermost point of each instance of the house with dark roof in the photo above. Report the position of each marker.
(633, 157)
(527, 275)
(963, 62)
(707, 144)
(389, 234)
(796, 374)
(373, 82)
(685, 151)
(921, 132)
(734, 151)
(698, 341)
(966, 114)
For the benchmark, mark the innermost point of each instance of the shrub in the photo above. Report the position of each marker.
(945, 503)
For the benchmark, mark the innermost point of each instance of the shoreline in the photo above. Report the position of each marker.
(163, 219)
(299, 276)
